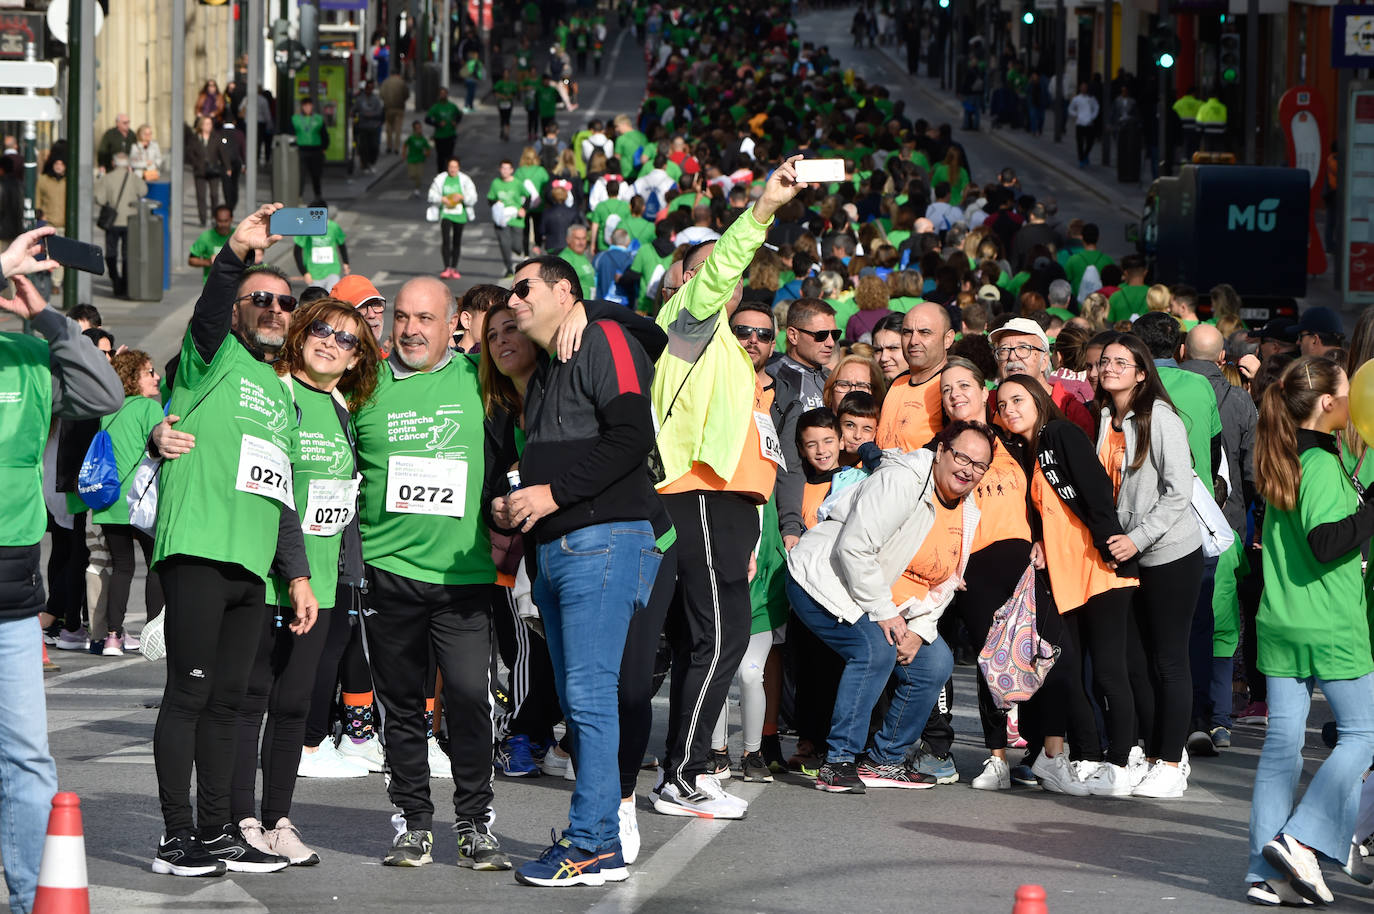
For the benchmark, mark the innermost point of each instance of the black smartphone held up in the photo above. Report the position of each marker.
(299, 220)
(76, 254)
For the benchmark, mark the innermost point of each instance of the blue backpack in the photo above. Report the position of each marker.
(98, 482)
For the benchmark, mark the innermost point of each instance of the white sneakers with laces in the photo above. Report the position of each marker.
(996, 775)
(1057, 776)
(629, 831)
(326, 762)
(1109, 781)
(1163, 782)
(369, 752)
(439, 765)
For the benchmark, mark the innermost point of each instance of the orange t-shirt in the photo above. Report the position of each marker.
(912, 414)
(937, 559)
(1113, 457)
(812, 497)
(1077, 572)
(1001, 500)
(755, 475)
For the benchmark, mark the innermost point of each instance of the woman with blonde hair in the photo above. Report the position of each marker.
(854, 373)
(1094, 311)
(1158, 297)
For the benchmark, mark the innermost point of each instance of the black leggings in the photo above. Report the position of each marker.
(1158, 653)
(534, 707)
(342, 662)
(214, 623)
(1249, 590)
(989, 580)
(1098, 630)
(280, 683)
(67, 572)
(119, 539)
(451, 235)
(637, 672)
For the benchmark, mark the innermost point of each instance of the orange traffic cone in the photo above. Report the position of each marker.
(1030, 899)
(62, 876)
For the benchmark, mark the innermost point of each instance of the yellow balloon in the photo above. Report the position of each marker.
(1362, 401)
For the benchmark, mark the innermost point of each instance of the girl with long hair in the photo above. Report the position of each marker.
(1311, 631)
(1143, 445)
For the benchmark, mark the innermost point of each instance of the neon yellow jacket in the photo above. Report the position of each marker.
(703, 390)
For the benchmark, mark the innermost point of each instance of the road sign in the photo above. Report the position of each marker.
(29, 108)
(28, 74)
(57, 19)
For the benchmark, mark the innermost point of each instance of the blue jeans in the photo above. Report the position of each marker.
(1325, 818)
(590, 583)
(28, 778)
(471, 86)
(868, 662)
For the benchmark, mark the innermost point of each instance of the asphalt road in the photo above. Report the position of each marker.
(948, 849)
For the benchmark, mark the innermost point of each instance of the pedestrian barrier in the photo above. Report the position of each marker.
(1030, 899)
(62, 876)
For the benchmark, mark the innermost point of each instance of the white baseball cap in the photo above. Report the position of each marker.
(1021, 325)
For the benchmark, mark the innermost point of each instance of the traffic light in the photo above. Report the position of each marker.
(1028, 14)
(1164, 47)
(944, 4)
(1228, 58)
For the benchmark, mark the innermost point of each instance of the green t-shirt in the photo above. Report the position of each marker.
(647, 263)
(904, 304)
(510, 194)
(453, 184)
(321, 470)
(611, 206)
(444, 115)
(627, 144)
(240, 412)
(1125, 303)
(583, 266)
(1196, 404)
(1313, 618)
(308, 129)
(845, 308)
(207, 245)
(129, 429)
(1078, 264)
(505, 91)
(538, 176)
(25, 417)
(417, 148)
(429, 416)
(321, 252)
(546, 98)
(640, 229)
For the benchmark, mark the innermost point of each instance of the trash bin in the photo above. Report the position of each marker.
(145, 252)
(161, 191)
(1128, 140)
(286, 170)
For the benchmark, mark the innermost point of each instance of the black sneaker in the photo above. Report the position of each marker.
(478, 848)
(411, 848)
(182, 855)
(240, 856)
(719, 764)
(876, 774)
(839, 777)
(771, 748)
(755, 769)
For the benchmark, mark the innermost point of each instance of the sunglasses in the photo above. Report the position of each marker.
(764, 334)
(820, 335)
(263, 299)
(521, 289)
(342, 338)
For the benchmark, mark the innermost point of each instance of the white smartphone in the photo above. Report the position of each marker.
(820, 171)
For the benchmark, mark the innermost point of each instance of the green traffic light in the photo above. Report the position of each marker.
(1166, 61)
(1028, 17)
(1229, 75)
(944, 4)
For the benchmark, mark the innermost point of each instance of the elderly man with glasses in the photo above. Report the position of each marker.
(1021, 347)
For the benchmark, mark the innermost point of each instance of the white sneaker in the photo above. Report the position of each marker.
(1164, 782)
(1304, 872)
(710, 785)
(326, 762)
(1109, 781)
(285, 841)
(1185, 766)
(1137, 766)
(439, 765)
(1057, 776)
(996, 775)
(629, 831)
(1085, 769)
(255, 835)
(698, 804)
(368, 752)
(555, 765)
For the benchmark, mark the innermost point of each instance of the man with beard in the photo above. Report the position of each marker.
(428, 482)
(227, 517)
